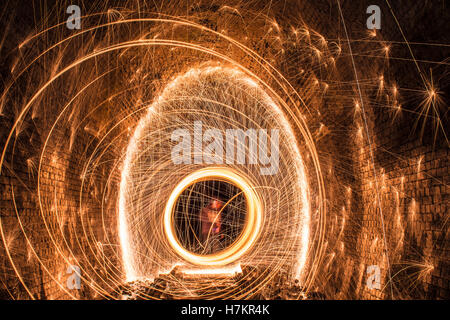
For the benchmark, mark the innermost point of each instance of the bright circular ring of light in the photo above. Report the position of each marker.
(249, 233)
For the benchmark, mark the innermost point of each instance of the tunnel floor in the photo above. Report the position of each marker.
(177, 285)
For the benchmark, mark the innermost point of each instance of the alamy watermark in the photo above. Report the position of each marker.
(74, 280)
(231, 146)
(374, 278)
(374, 20)
(74, 20)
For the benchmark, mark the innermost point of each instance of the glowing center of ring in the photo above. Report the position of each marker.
(249, 233)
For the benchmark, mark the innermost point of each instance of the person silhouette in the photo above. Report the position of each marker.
(211, 223)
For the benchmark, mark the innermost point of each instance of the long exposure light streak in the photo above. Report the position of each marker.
(281, 127)
(180, 104)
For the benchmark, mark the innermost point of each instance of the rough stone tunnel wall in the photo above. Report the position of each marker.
(387, 183)
(404, 171)
(60, 233)
(393, 184)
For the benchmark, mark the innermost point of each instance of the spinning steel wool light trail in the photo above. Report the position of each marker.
(219, 98)
(122, 133)
(222, 95)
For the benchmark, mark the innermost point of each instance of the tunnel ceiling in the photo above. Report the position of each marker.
(361, 186)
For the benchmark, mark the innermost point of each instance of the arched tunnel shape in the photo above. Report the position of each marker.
(335, 136)
(213, 122)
